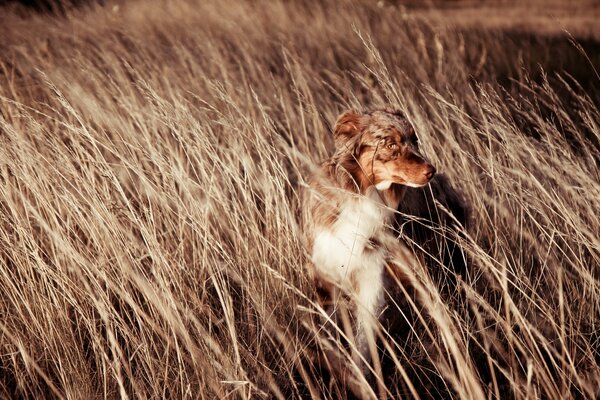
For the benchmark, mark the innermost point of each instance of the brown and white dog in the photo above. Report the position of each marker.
(351, 207)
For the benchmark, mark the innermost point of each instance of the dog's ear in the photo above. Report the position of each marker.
(346, 127)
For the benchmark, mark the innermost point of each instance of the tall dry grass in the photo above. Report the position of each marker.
(151, 160)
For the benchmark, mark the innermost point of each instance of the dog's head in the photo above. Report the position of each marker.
(384, 148)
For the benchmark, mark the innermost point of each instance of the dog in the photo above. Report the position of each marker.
(351, 208)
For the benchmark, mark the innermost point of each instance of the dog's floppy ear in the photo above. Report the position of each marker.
(346, 127)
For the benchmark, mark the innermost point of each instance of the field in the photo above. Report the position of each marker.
(152, 160)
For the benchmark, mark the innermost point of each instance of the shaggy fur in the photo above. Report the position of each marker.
(351, 210)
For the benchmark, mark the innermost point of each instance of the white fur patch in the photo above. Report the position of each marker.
(369, 301)
(383, 185)
(345, 247)
(414, 185)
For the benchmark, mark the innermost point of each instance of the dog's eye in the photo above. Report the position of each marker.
(392, 146)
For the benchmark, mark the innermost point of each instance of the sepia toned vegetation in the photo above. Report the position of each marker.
(152, 156)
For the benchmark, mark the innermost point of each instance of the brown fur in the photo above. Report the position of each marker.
(374, 148)
(362, 159)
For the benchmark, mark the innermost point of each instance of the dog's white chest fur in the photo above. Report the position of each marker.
(346, 248)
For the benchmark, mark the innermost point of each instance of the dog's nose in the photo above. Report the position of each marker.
(430, 172)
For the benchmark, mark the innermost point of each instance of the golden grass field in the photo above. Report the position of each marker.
(151, 162)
